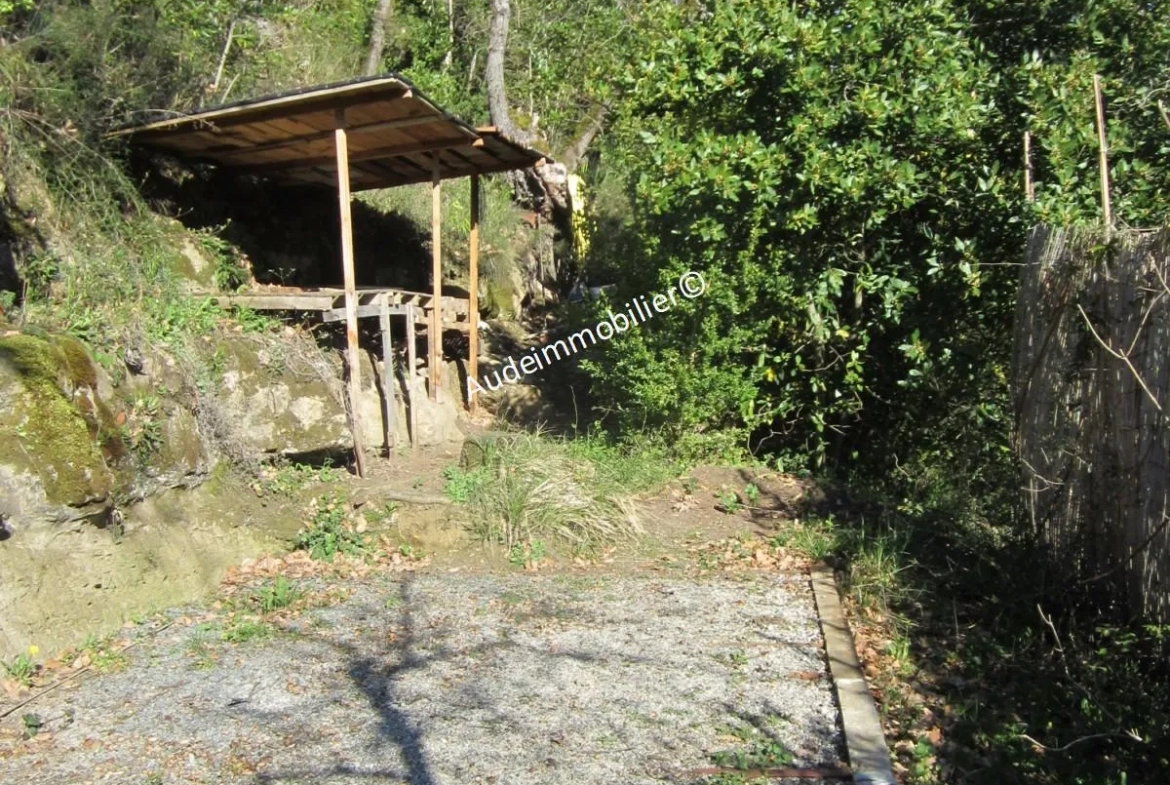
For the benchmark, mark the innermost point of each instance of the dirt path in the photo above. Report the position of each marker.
(648, 667)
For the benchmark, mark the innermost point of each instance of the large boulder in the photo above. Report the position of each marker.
(280, 400)
(60, 448)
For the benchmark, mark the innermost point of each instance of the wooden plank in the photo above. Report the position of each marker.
(473, 293)
(351, 328)
(363, 312)
(435, 336)
(277, 302)
(412, 374)
(389, 400)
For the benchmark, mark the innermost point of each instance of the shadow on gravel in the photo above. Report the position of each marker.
(375, 673)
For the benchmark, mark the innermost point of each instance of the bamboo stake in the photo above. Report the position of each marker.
(1103, 149)
(473, 293)
(1029, 185)
(341, 147)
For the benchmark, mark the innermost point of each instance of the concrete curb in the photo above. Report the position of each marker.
(865, 743)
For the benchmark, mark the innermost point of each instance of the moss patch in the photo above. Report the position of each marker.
(54, 434)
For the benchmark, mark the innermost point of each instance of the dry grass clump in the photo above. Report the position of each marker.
(530, 488)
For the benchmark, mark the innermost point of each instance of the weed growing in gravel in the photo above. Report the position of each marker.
(243, 630)
(762, 752)
(330, 532)
(279, 594)
(101, 657)
(199, 647)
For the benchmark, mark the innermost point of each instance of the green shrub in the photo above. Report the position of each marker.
(330, 531)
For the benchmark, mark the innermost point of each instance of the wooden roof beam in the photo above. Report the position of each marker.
(364, 155)
(384, 125)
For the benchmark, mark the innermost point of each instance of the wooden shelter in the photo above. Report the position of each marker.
(373, 132)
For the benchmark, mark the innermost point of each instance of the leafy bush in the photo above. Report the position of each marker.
(846, 177)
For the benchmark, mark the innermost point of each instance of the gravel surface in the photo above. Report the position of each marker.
(455, 678)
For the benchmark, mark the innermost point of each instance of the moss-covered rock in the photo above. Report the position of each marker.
(44, 432)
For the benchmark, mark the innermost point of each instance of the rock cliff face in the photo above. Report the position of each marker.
(106, 508)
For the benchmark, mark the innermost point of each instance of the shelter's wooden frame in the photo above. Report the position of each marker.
(374, 132)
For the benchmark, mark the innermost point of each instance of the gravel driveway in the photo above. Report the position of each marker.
(451, 678)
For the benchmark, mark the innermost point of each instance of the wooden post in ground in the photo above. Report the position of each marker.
(1029, 185)
(1103, 156)
(435, 339)
(341, 147)
(412, 376)
(473, 294)
(389, 396)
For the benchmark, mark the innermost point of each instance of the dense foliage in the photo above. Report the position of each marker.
(848, 178)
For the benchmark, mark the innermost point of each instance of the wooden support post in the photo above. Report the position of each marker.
(473, 294)
(435, 339)
(412, 375)
(389, 396)
(341, 147)
(1103, 156)
(1029, 185)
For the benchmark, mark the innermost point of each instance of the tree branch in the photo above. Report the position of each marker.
(576, 150)
(1124, 358)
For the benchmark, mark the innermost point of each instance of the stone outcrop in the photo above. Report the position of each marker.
(105, 505)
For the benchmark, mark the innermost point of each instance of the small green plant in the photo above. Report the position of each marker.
(383, 514)
(253, 321)
(279, 594)
(751, 492)
(462, 484)
(144, 430)
(22, 668)
(32, 724)
(242, 630)
(102, 658)
(817, 538)
(730, 501)
(292, 478)
(329, 531)
(762, 753)
(526, 554)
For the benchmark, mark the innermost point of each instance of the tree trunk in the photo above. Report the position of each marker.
(450, 35)
(377, 38)
(494, 72)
